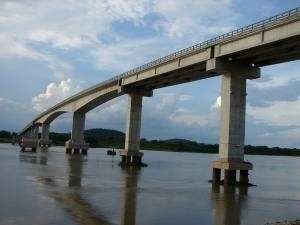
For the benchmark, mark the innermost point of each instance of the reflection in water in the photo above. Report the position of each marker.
(75, 170)
(227, 204)
(130, 191)
(72, 202)
(33, 158)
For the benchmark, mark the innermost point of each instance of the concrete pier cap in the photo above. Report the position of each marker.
(223, 66)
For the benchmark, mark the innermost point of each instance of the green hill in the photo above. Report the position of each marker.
(106, 138)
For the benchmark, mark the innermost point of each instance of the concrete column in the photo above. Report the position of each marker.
(35, 132)
(45, 141)
(229, 177)
(131, 154)
(45, 131)
(30, 133)
(244, 179)
(133, 127)
(216, 175)
(233, 110)
(78, 127)
(77, 142)
(233, 107)
(30, 139)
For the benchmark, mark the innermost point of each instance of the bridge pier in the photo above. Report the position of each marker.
(77, 143)
(45, 141)
(232, 129)
(132, 155)
(30, 139)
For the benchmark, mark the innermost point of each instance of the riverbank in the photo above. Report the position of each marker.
(105, 138)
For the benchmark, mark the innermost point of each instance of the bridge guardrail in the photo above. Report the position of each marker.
(261, 25)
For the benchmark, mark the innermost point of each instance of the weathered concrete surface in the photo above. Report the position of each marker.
(133, 130)
(233, 111)
(133, 127)
(45, 141)
(30, 143)
(77, 142)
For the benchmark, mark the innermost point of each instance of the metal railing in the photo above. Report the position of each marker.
(255, 27)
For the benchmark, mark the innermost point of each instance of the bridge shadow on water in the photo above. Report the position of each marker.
(228, 202)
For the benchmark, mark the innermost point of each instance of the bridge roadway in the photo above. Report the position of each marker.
(236, 56)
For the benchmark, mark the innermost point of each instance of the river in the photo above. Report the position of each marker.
(55, 188)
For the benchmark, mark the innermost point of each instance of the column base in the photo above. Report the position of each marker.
(45, 144)
(230, 169)
(76, 146)
(131, 158)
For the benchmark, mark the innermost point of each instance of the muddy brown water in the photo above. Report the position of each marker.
(54, 188)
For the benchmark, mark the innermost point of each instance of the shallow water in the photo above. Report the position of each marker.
(54, 188)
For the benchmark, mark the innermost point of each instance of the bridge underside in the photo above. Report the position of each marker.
(265, 55)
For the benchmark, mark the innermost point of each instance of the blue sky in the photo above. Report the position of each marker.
(53, 49)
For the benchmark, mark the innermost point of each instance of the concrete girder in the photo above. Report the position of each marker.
(83, 104)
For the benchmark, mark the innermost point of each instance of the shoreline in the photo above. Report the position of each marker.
(285, 222)
(291, 154)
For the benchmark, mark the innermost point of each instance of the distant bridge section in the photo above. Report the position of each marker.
(237, 56)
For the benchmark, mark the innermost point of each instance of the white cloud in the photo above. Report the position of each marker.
(277, 113)
(194, 17)
(275, 81)
(277, 76)
(125, 54)
(76, 24)
(189, 119)
(37, 29)
(217, 104)
(8, 106)
(54, 93)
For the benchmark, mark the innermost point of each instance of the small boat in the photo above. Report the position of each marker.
(111, 152)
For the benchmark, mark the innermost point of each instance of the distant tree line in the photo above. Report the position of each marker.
(6, 136)
(105, 138)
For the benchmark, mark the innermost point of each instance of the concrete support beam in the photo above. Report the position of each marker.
(45, 131)
(30, 139)
(233, 110)
(78, 126)
(77, 142)
(45, 141)
(132, 154)
(233, 106)
(35, 131)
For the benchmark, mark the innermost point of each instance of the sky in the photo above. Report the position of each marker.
(53, 49)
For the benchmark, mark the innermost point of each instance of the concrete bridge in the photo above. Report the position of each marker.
(236, 56)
